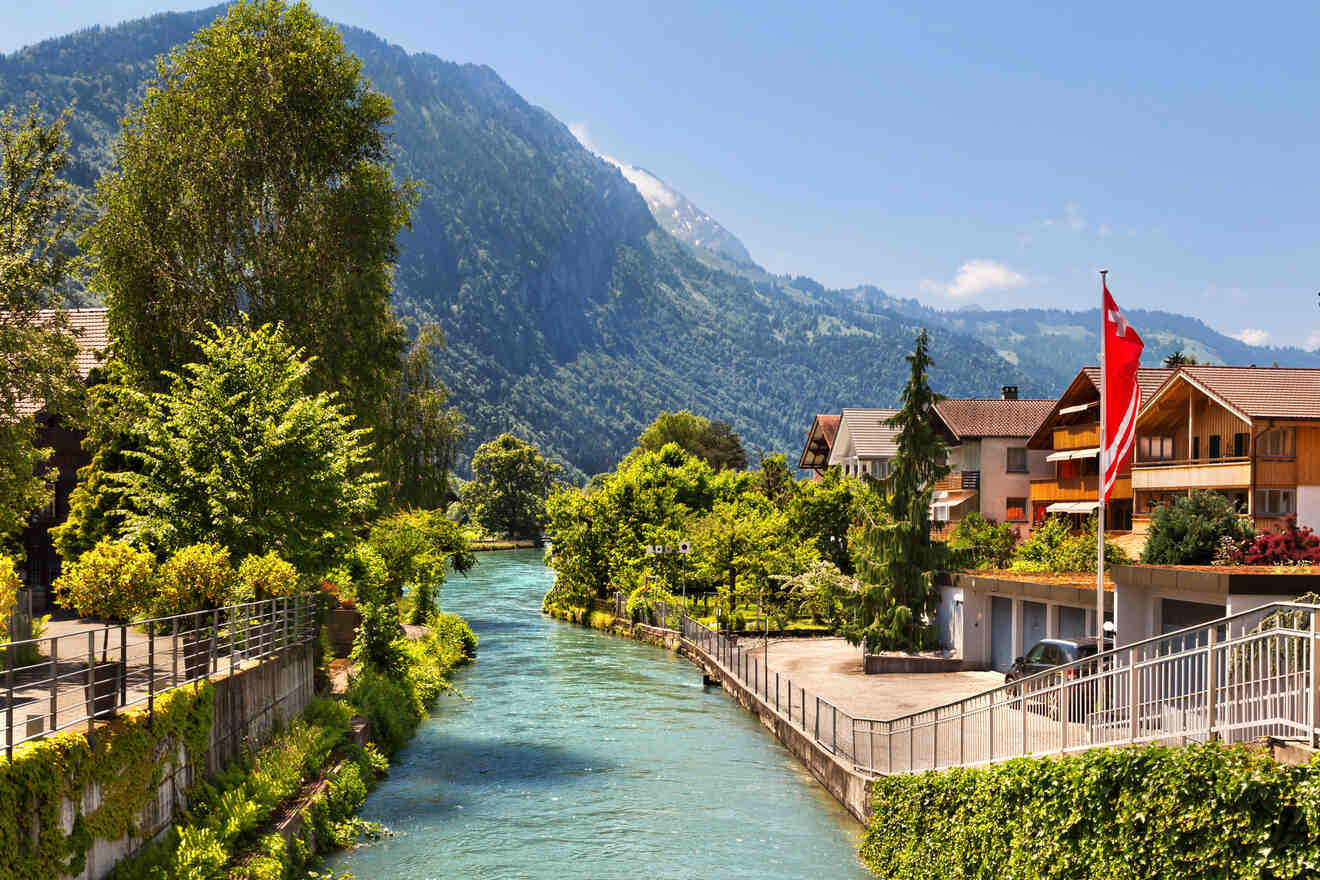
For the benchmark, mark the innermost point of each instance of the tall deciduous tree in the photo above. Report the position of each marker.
(713, 442)
(509, 488)
(36, 345)
(894, 557)
(254, 178)
(239, 454)
(423, 432)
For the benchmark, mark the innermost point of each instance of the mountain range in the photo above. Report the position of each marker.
(581, 295)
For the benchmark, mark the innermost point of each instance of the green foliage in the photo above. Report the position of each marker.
(822, 592)
(9, 586)
(1195, 811)
(450, 629)
(112, 580)
(644, 604)
(237, 452)
(125, 762)
(264, 577)
(254, 176)
(378, 642)
(1053, 547)
(416, 548)
(193, 579)
(509, 487)
(822, 511)
(363, 575)
(982, 543)
(37, 211)
(1187, 530)
(712, 442)
(893, 556)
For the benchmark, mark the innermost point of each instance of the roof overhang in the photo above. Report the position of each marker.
(1172, 381)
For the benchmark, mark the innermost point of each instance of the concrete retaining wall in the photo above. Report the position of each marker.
(850, 788)
(879, 664)
(246, 704)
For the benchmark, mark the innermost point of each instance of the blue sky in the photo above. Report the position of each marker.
(965, 154)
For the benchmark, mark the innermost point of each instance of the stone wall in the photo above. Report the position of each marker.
(247, 701)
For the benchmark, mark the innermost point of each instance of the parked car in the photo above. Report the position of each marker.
(1049, 653)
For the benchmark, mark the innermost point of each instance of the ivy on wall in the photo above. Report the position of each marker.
(33, 842)
(1196, 811)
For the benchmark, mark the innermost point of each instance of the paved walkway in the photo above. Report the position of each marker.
(832, 668)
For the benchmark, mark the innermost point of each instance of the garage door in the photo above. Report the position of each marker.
(1033, 624)
(1001, 633)
(1072, 622)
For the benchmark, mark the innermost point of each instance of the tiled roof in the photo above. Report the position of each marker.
(871, 437)
(1263, 392)
(820, 440)
(91, 328)
(973, 417)
(1149, 378)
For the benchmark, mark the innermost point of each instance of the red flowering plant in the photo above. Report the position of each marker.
(1292, 546)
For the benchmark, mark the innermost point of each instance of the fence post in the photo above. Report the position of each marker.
(1212, 676)
(854, 741)
(1022, 709)
(912, 746)
(10, 662)
(1134, 694)
(834, 729)
(123, 664)
(802, 701)
(776, 691)
(232, 648)
(174, 654)
(935, 743)
(1064, 705)
(817, 734)
(962, 733)
(990, 732)
(54, 683)
(91, 682)
(1315, 679)
(215, 638)
(151, 682)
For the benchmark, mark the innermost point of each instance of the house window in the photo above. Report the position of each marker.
(1275, 502)
(1278, 443)
(1155, 448)
(1239, 445)
(1016, 510)
(1017, 460)
(1196, 448)
(1215, 449)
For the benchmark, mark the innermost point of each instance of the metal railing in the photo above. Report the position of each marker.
(1235, 679)
(63, 681)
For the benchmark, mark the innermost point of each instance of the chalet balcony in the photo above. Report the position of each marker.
(1077, 437)
(959, 480)
(1202, 473)
(1076, 489)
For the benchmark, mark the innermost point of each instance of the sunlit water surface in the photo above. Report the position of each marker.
(579, 754)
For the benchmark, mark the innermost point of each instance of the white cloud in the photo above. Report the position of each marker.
(1252, 336)
(977, 276)
(1313, 341)
(1074, 218)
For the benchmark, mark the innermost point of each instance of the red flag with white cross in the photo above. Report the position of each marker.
(1120, 390)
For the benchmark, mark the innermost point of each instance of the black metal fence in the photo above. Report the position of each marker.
(63, 681)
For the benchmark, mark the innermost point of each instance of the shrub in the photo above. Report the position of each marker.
(9, 585)
(644, 603)
(1292, 546)
(195, 578)
(1188, 530)
(982, 543)
(453, 629)
(363, 575)
(263, 577)
(1195, 811)
(378, 643)
(112, 580)
(390, 704)
(1053, 547)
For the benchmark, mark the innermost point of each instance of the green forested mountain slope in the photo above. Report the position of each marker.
(572, 318)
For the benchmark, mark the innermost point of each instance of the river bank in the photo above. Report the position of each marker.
(577, 755)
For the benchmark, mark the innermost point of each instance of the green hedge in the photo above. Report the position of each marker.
(1197, 811)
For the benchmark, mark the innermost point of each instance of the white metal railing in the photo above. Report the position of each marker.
(1234, 679)
(58, 682)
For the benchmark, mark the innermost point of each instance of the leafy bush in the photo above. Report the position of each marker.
(363, 575)
(196, 577)
(378, 643)
(390, 704)
(1195, 811)
(1292, 546)
(644, 603)
(452, 629)
(1188, 530)
(9, 586)
(112, 580)
(981, 543)
(263, 577)
(1053, 547)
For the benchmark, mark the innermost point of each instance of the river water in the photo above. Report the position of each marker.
(580, 754)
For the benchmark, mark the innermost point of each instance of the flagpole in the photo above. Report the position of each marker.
(1100, 486)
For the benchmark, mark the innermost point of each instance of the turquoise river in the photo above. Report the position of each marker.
(580, 754)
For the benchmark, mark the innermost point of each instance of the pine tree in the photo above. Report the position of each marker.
(895, 557)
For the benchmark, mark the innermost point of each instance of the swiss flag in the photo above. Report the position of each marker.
(1120, 391)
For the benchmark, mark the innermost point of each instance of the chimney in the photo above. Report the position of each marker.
(1009, 392)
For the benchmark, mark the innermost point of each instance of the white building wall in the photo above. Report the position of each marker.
(1308, 506)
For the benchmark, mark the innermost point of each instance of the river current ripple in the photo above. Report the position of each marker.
(579, 754)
